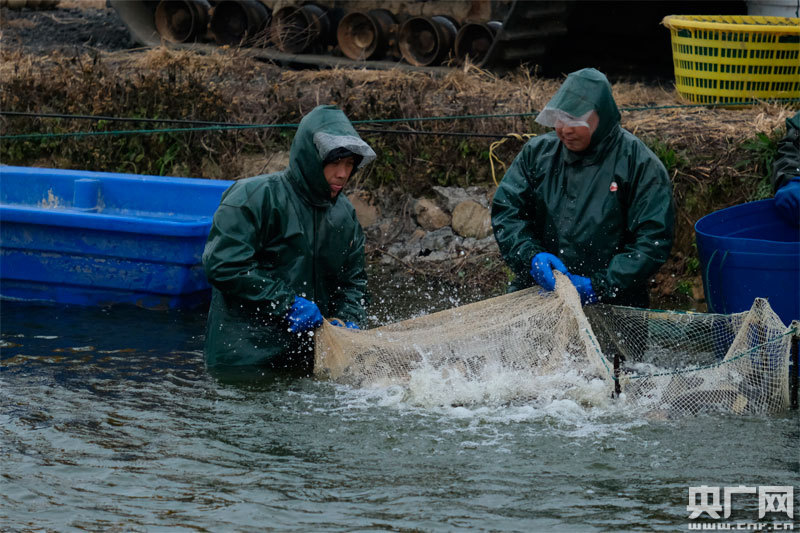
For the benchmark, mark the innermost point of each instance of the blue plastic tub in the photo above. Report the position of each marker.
(747, 251)
(99, 238)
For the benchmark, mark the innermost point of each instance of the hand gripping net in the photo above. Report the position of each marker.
(669, 363)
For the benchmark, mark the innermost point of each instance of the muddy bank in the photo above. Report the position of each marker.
(715, 157)
(68, 26)
(447, 236)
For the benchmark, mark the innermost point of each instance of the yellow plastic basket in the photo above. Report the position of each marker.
(728, 59)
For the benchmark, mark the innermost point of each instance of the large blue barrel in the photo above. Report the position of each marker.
(747, 251)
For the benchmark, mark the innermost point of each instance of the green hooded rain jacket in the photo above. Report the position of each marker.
(606, 212)
(280, 235)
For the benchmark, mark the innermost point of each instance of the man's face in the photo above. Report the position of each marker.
(337, 174)
(577, 138)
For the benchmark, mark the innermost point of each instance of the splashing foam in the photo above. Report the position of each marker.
(495, 385)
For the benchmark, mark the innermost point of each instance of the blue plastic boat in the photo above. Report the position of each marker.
(99, 238)
(746, 252)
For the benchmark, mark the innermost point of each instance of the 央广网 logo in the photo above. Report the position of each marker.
(705, 502)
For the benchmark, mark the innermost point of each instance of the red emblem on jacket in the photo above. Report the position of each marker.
(613, 187)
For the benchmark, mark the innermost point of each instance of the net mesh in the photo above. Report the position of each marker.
(685, 363)
(668, 363)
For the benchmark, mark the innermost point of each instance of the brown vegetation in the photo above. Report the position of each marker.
(716, 157)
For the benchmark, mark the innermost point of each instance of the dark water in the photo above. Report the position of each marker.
(109, 422)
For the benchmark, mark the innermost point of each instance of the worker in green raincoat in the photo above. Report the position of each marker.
(286, 249)
(589, 199)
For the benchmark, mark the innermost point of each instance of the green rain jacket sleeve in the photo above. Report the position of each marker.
(513, 215)
(348, 300)
(230, 258)
(787, 160)
(650, 222)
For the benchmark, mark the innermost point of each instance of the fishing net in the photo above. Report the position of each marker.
(667, 363)
(675, 363)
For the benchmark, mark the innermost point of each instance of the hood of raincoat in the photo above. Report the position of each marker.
(583, 91)
(322, 130)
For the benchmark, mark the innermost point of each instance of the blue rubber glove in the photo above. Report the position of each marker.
(787, 201)
(542, 266)
(584, 287)
(348, 324)
(303, 315)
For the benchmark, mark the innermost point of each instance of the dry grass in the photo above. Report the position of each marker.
(477, 92)
(399, 93)
(712, 166)
(82, 4)
(698, 126)
(18, 23)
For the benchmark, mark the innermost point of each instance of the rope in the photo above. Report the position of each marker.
(441, 133)
(386, 120)
(790, 331)
(30, 136)
(600, 354)
(492, 157)
(112, 119)
(180, 121)
(226, 126)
